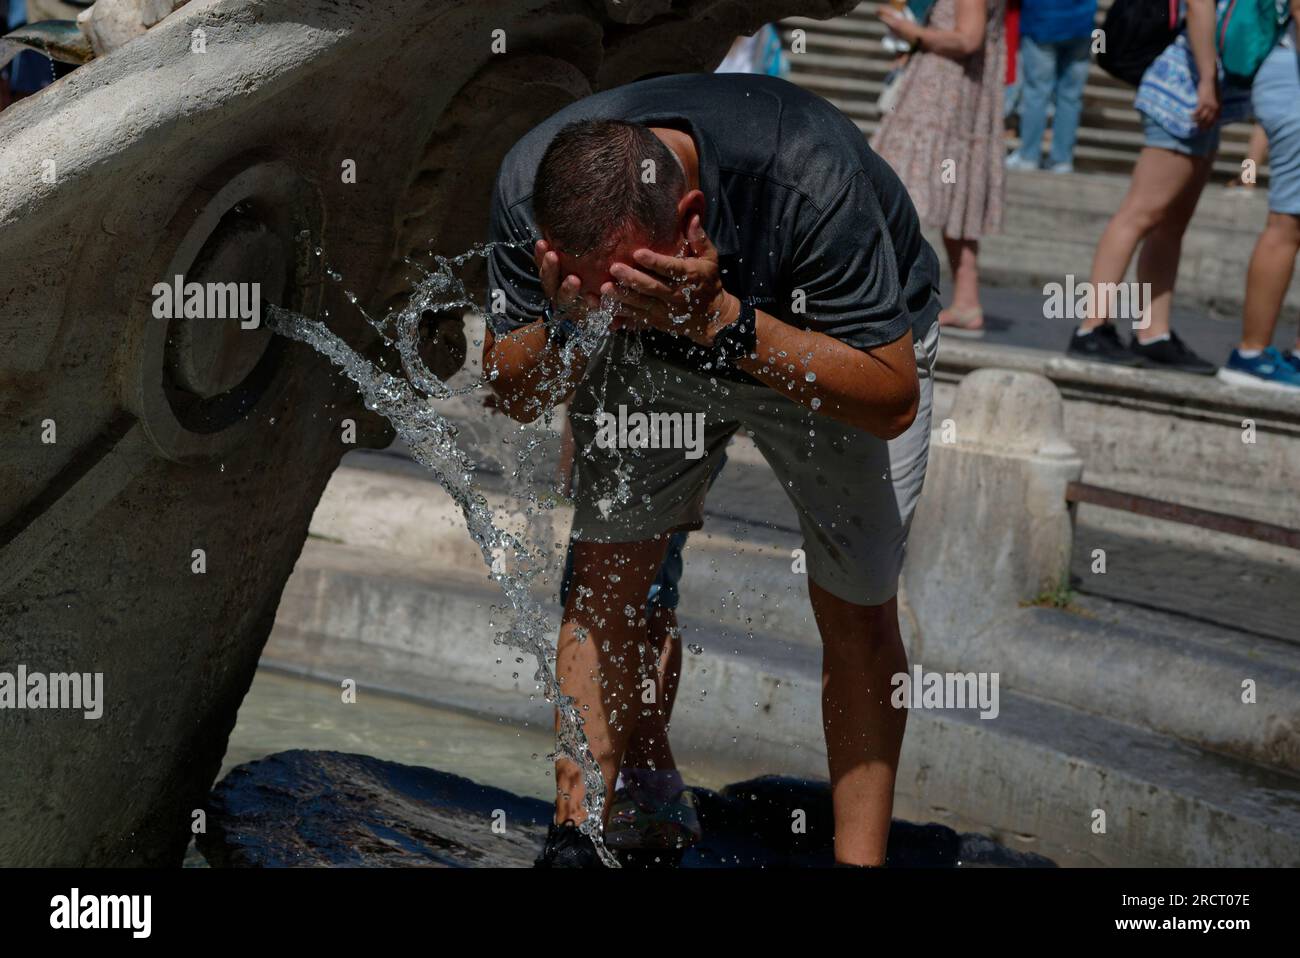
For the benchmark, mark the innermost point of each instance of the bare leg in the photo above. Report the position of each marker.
(861, 652)
(1159, 178)
(1158, 261)
(1257, 153)
(1268, 278)
(598, 655)
(648, 747)
(963, 261)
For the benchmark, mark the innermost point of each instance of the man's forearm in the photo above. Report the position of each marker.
(875, 390)
(527, 373)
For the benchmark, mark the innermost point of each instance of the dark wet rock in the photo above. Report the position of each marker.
(778, 821)
(305, 808)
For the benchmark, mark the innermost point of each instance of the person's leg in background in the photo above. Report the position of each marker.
(1257, 154)
(1157, 269)
(1268, 278)
(1073, 58)
(1276, 101)
(1038, 77)
(1011, 96)
(1164, 180)
(964, 313)
(1160, 177)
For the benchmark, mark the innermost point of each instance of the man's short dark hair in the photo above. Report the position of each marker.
(590, 188)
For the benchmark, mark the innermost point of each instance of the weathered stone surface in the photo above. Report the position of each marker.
(157, 160)
(994, 505)
(111, 23)
(304, 808)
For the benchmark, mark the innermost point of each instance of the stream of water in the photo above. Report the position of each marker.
(408, 402)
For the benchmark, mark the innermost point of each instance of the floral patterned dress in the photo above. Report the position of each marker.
(944, 135)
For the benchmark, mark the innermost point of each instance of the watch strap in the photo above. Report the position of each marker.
(738, 339)
(559, 327)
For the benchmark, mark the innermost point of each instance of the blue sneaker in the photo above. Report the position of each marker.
(1269, 370)
(1292, 357)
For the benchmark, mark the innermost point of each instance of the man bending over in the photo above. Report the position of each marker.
(766, 269)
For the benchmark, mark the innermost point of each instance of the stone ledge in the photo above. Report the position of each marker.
(1176, 393)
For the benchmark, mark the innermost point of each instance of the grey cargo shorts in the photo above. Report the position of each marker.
(854, 493)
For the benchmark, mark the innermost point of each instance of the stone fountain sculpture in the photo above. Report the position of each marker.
(157, 476)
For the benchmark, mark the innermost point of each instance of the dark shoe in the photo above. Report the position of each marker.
(1101, 345)
(1172, 354)
(566, 847)
(1293, 359)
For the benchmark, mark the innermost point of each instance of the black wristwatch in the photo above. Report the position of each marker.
(559, 327)
(738, 339)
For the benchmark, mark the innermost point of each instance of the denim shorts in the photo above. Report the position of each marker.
(1202, 143)
(1276, 99)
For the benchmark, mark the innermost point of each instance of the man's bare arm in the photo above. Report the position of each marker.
(875, 390)
(527, 374)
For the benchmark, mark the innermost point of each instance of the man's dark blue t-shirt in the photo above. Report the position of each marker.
(803, 213)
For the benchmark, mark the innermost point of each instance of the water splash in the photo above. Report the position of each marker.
(407, 402)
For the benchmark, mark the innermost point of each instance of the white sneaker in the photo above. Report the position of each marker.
(1017, 162)
(1061, 168)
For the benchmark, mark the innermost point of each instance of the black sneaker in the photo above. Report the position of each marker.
(1101, 345)
(1172, 354)
(566, 847)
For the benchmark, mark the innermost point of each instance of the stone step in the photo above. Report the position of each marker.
(1168, 435)
(1036, 776)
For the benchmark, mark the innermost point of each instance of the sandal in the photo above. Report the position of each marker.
(964, 324)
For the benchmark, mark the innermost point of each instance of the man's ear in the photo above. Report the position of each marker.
(691, 204)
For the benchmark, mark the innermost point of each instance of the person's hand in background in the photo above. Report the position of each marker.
(898, 24)
(1207, 103)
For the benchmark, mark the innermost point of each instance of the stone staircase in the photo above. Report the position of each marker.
(845, 63)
